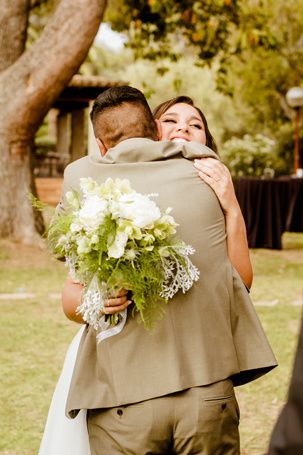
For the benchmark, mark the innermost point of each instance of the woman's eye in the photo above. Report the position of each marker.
(197, 125)
(168, 120)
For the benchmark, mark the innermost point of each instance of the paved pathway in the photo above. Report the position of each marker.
(27, 295)
(57, 295)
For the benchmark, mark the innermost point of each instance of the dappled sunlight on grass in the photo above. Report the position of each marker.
(292, 241)
(278, 274)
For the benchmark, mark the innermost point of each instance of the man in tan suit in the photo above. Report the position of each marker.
(171, 390)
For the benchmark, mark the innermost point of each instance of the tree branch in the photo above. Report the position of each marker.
(42, 72)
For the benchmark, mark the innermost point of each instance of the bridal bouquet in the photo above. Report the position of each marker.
(113, 237)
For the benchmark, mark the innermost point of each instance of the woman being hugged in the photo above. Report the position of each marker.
(180, 120)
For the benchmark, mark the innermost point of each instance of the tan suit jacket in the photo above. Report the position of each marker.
(208, 334)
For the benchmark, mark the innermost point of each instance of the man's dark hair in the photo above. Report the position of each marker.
(121, 113)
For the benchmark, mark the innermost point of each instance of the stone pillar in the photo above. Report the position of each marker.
(63, 138)
(78, 134)
(52, 123)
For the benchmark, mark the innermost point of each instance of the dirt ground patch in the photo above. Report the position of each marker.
(14, 254)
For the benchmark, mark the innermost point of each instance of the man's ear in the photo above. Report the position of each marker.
(159, 129)
(101, 146)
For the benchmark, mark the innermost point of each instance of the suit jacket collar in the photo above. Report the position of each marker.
(145, 150)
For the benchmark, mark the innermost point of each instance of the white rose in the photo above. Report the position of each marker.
(137, 208)
(93, 212)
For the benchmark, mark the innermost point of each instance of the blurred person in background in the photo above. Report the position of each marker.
(287, 436)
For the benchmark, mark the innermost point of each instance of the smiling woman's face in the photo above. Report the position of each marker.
(182, 123)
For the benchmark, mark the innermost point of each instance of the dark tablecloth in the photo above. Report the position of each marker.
(270, 207)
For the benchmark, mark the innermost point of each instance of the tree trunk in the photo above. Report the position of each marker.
(28, 89)
(16, 217)
(13, 30)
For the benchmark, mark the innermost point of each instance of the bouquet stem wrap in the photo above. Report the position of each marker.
(91, 307)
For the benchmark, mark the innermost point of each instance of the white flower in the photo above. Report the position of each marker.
(88, 185)
(137, 208)
(93, 211)
(148, 238)
(160, 234)
(83, 246)
(116, 249)
(94, 239)
(164, 251)
(168, 219)
(123, 185)
(75, 227)
(62, 240)
(130, 254)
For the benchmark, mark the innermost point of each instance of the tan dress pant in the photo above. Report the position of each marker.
(200, 420)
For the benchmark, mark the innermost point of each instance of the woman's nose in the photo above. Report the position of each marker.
(182, 127)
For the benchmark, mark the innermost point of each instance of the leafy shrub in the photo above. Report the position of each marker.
(250, 155)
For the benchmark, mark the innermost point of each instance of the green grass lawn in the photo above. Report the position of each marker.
(35, 335)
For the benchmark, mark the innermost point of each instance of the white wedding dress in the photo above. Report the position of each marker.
(64, 436)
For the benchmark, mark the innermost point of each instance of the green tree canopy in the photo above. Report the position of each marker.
(158, 29)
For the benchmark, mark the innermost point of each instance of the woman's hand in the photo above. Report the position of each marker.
(116, 303)
(218, 177)
(71, 299)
